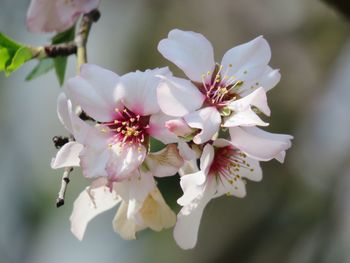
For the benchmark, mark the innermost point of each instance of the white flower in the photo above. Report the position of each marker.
(223, 170)
(142, 205)
(127, 114)
(56, 15)
(216, 94)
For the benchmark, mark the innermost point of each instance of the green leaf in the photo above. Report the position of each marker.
(21, 56)
(4, 57)
(44, 66)
(58, 63)
(5, 41)
(65, 36)
(61, 62)
(156, 145)
(60, 68)
(12, 54)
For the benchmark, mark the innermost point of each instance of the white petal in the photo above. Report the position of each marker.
(158, 129)
(233, 188)
(256, 98)
(253, 172)
(207, 158)
(63, 112)
(178, 97)
(247, 61)
(166, 162)
(134, 190)
(208, 120)
(190, 51)
(192, 186)
(268, 79)
(67, 156)
(189, 217)
(138, 91)
(89, 204)
(259, 144)
(244, 118)
(95, 93)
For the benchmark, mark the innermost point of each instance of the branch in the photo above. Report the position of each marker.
(82, 35)
(53, 51)
(64, 183)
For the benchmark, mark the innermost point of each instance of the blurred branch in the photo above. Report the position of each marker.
(342, 6)
(64, 183)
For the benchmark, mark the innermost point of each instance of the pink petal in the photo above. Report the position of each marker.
(124, 159)
(179, 127)
(58, 15)
(95, 155)
(208, 120)
(138, 91)
(159, 130)
(178, 97)
(190, 51)
(94, 90)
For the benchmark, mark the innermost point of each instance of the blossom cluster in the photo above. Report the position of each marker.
(207, 123)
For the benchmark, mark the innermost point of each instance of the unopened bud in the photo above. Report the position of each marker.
(179, 127)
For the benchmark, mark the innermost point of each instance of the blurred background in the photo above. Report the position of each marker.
(299, 213)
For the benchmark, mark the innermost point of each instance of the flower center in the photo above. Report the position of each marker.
(219, 88)
(128, 127)
(227, 164)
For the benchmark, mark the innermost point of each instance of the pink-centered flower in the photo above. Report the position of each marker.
(223, 171)
(127, 114)
(216, 94)
(57, 15)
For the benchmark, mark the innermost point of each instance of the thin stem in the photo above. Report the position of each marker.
(64, 183)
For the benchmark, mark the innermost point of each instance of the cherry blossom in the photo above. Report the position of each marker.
(216, 94)
(57, 15)
(127, 114)
(223, 170)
